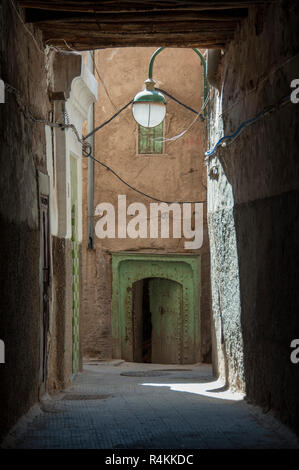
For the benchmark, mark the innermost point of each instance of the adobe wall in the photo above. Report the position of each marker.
(25, 155)
(22, 66)
(253, 213)
(61, 338)
(177, 175)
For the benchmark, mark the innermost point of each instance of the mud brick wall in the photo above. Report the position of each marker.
(22, 154)
(253, 213)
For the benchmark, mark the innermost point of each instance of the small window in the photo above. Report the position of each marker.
(150, 139)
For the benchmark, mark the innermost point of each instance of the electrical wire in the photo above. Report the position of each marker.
(30, 117)
(178, 136)
(259, 83)
(25, 27)
(130, 102)
(178, 101)
(85, 145)
(57, 49)
(138, 190)
(42, 51)
(103, 83)
(232, 137)
(108, 121)
(27, 114)
(66, 125)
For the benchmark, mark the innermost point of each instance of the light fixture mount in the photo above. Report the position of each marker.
(149, 105)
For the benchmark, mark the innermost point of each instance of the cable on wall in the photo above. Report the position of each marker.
(178, 136)
(260, 81)
(108, 121)
(25, 27)
(66, 125)
(179, 102)
(138, 190)
(85, 145)
(231, 138)
(103, 84)
(130, 102)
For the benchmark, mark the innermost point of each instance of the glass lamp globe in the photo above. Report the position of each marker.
(149, 106)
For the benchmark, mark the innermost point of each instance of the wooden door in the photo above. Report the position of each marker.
(166, 309)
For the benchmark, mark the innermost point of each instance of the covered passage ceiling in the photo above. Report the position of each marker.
(107, 23)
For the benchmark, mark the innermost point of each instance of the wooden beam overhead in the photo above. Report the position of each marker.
(122, 6)
(108, 23)
(43, 16)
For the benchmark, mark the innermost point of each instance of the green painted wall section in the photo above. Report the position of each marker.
(150, 139)
(184, 270)
(75, 259)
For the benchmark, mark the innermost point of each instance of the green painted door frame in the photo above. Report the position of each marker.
(129, 268)
(75, 261)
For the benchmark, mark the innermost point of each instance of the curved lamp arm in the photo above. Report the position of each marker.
(203, 62)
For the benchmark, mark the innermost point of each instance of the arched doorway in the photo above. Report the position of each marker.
(168, 286)
(156, 318)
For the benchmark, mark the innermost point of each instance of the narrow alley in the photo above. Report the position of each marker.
(121, 405)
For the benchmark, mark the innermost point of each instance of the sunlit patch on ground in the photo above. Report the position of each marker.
(215, 389)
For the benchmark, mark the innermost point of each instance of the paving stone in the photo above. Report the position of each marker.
(149, 411)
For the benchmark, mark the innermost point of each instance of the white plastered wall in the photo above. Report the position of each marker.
(83, 92)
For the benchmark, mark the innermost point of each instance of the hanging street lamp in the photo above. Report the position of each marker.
(149, 105)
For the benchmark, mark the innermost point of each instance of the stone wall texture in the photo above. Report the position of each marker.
(22, 66)
(253, 213)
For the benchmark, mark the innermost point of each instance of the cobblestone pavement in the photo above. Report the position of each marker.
(154, 406)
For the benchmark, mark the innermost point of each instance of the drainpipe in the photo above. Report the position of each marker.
(213, 60)
(90, 64)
